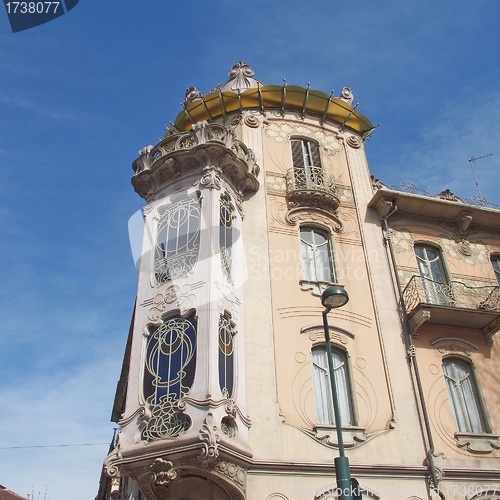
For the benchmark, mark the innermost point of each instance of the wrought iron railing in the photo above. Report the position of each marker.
(453, 293)
(311, 178)
(478, 201)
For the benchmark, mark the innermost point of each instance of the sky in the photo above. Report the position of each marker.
(79, 96)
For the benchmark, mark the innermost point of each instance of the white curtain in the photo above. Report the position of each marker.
(464, 396)
(322, 387)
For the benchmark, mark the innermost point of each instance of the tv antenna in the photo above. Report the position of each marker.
(471, 161)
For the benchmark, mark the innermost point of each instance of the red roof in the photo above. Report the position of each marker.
(10, 495)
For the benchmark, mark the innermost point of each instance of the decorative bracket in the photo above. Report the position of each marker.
(416, 321)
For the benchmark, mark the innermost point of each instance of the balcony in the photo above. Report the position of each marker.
(311, 187)
(452, 304)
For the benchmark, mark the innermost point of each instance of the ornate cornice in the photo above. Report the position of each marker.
(209, 149)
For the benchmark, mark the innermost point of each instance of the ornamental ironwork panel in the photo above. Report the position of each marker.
(170, 366)
(177, 240)
(453, 293)
(311, 187)
(226, 356)
(310, 178)
(226, 236)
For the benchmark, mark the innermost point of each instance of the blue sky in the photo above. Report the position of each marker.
(81, 95)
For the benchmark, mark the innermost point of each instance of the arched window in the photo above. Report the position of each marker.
(495, 262)
(322, 387)
(316, 253)
(464, 396)
(306, 164)
(434, 279)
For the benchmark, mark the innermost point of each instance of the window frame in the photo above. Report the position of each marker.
(306, 159)
(461, 414)
(316, 258)
(322, 387)
(495, 264)
(436, 291)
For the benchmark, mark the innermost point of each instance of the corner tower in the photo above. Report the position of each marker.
(256, 201)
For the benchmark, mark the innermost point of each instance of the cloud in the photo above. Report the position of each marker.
(465, 128)
(63, 408)
(20, 102)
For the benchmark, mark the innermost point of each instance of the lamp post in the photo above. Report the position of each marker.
(332, 298)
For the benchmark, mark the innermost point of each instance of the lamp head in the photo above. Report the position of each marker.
(334, 296)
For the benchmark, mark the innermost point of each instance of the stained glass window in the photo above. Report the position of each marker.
(226, 235)
(178, 240)
(168, 375)
(226, 355)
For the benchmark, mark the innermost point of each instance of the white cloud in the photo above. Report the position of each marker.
(64, 408)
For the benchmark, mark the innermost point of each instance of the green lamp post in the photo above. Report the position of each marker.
(332, 298)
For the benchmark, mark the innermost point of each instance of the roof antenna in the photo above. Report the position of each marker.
(471, 161)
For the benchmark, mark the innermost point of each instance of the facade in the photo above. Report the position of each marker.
(257, 199)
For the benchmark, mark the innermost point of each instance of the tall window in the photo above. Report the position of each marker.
(495, 262)
(226, 355)
(170, 364)
(430, 266)
(177, 240)
(306, 163)
(226, 235)
(316, 255)
(464, 396)
(322, 387)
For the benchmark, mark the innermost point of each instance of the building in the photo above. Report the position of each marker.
(6, 494)
(257, 199)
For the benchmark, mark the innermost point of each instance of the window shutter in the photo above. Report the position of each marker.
(316, 161)
(297, 154)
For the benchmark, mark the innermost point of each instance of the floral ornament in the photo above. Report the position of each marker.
(476, 252)
(402, 240)
(282, 132)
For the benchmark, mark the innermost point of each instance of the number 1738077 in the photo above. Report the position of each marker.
(32, 7)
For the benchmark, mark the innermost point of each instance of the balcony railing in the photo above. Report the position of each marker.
(421, 290)
(310, 186)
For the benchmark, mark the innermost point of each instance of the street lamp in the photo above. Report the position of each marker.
(332, 298)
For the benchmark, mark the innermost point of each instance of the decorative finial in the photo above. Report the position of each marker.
(192, 93)
(347, 95)
(241, 78)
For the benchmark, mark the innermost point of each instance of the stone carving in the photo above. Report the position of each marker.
(478, 443)
(282, 132)
(210, 439)
(347, 96)
(211, 177)
(377, 184)
(144, 161)
(163, 471)
(299, 215)
(251, 121)
(153, 481)
(448, 196)
(180, 297)
(241, 78)
(354, 142)
(234, 472)
(192, 94)
(384, 207)
(209, 145)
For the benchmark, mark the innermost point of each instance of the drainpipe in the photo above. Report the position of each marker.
(412, 353)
